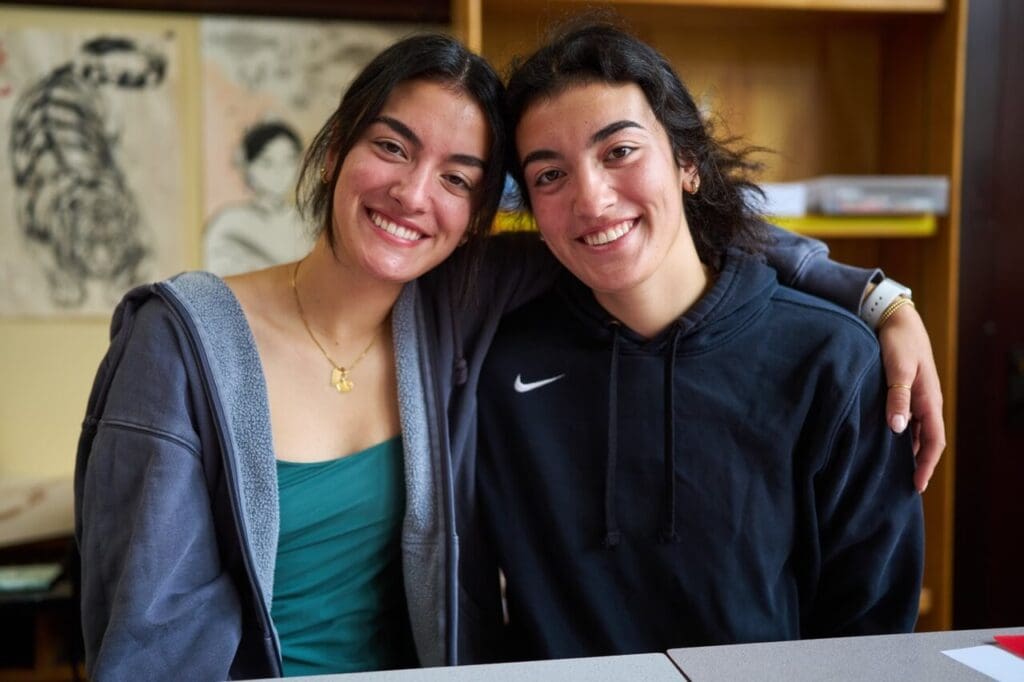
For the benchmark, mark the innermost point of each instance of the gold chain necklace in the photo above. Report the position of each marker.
(339, 374)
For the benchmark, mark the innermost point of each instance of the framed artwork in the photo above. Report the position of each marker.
(268, 87)
(92, 176)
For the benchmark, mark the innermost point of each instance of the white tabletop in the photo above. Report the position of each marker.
(884, 657)
(636, 668)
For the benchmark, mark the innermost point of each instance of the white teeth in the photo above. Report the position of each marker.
(393, 229)
(609, 235)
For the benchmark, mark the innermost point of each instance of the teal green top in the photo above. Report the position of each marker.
(339, 602)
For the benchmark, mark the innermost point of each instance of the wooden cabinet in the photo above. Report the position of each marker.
(835, 87)
(40, 635)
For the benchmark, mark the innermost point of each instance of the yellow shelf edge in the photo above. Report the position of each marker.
(867, 227)
(874, 226)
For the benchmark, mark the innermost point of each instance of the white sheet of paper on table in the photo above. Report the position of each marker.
(990, 660)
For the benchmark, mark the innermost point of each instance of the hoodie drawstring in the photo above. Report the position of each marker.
(611, 524)
(668, 530)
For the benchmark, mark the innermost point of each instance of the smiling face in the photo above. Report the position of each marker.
(605, 187)
(407, 188)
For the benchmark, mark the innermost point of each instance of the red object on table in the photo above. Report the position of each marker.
(1012, 643)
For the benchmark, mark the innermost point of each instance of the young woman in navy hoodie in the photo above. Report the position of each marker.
(675, 448)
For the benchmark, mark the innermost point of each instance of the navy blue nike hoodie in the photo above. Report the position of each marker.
(731, 480)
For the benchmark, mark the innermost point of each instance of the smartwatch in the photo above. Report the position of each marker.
(880, 298)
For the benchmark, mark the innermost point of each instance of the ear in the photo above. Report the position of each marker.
(690, 177)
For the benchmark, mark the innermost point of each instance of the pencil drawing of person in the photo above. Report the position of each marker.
(265, 229)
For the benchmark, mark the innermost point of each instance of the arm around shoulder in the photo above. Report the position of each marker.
(804, 264)
(870, 526)
(515, 267)
(913, 381)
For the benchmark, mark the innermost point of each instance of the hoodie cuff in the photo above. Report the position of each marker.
(844, 285)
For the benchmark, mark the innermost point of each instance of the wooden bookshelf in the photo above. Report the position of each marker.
(835, 87)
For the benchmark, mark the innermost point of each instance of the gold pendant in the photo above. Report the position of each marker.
(340, 380)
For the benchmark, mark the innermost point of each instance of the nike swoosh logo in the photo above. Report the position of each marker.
(525, 387)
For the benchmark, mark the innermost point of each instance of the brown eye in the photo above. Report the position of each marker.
(458, 181)
(547, 177)
(390, 147)
(620, 152)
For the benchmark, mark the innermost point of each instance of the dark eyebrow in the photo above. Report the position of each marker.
(468, 160)
(611, 129)
(540, 155)
(407, 133)
(399, 128)
(600, 135)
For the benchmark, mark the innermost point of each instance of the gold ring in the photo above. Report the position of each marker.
(906, 386)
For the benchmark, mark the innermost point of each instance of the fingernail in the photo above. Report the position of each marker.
(899, 423)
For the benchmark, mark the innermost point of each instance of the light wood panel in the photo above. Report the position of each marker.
(787, 81)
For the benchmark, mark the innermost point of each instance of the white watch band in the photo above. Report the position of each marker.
(884, 293)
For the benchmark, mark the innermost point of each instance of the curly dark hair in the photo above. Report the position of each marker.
(430, 57)
(594, 49)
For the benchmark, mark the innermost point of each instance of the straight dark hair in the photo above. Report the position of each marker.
(593, 49)
(436, 58)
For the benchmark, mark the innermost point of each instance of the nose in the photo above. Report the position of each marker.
(411, 189)
(594, 194)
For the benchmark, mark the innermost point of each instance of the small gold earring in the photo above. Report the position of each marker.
(323, 174)
(696, 184)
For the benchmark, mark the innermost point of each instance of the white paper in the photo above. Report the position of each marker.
(997, 663)
(92, 188)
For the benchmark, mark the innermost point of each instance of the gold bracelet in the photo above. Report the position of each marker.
(891, 309)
